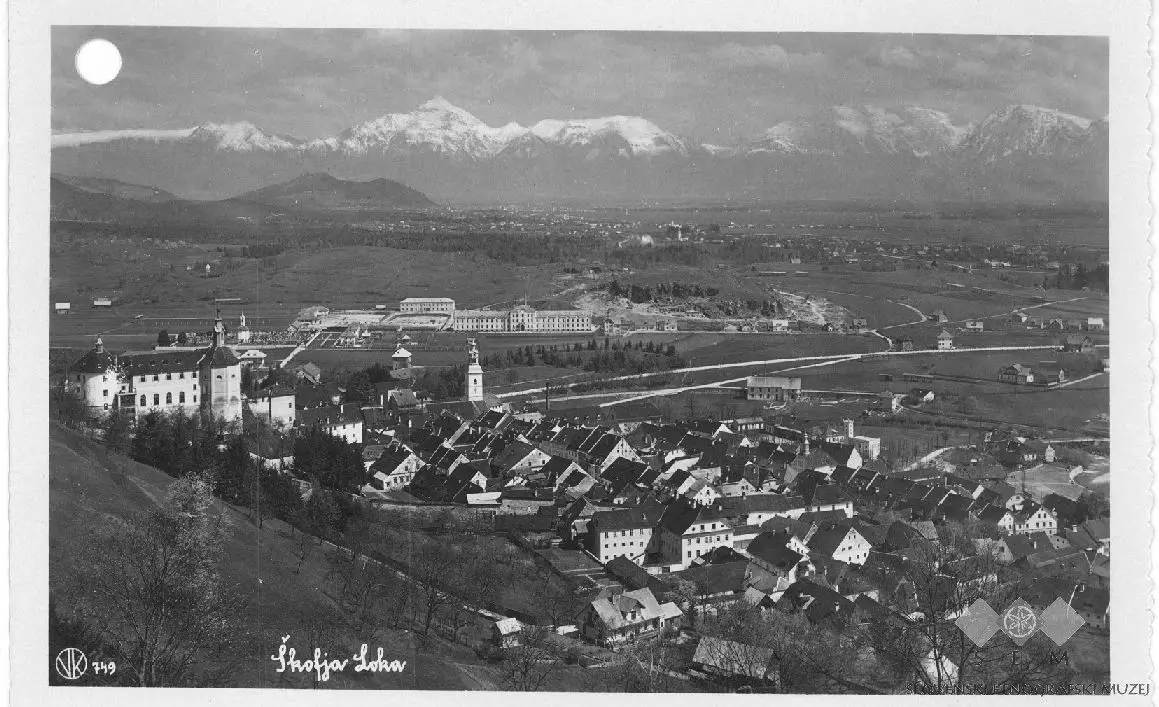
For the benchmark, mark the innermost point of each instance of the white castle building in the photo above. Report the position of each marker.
(199, 380)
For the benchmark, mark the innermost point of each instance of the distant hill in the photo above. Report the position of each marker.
(117, 188)
(320, 190)
(118, 202)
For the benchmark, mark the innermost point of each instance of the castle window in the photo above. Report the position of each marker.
(156, 399)
(144, 401)
(181, 397)
(169, 398)
(219, 376)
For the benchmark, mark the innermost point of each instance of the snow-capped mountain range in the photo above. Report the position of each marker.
(446, 151)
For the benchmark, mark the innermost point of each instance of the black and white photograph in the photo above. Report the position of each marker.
(587, 361)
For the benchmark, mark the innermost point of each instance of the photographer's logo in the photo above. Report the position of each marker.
(71, 663)
(980, 622)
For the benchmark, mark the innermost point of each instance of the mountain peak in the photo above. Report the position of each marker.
(242, 136)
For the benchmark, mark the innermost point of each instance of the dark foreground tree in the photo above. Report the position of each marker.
(156, 597)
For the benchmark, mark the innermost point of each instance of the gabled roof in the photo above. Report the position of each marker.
(732, 658)
(770, 547)
(620, 519)
(826, 541)
(681, 515)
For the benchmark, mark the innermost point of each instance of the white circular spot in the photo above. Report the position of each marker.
(98, 61)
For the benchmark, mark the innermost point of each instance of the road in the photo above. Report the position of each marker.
(831, 358)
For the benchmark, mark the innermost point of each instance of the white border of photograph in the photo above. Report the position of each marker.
(1123, 21)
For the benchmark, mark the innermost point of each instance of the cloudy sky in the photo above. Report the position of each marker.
(711, 87)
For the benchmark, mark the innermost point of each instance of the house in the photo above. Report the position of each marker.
(1031, 518)
(777, 555)
(732, 661)
(841, 542)
(939, 316)
(945, 341)
(343, 421)
(819, 604)
(519, 458)
(1051, 376)
(62, 307)
(506, 632)
(395, 466)
(627, 616)
(687, 531)
(276, 404)
(1017, 374)
(602, 448)
(775, 388)
(975, 325)
(309, 372)
(1077, 343)
(1016, 454)
(859, 325)
(921, 395)
(619, 533)
(1095, 324)
(904, 343)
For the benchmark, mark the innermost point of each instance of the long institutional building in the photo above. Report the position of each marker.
(520, 318)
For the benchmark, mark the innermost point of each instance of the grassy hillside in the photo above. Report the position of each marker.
(89, 488)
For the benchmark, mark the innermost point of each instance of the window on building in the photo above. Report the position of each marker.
(181, 375)
(194, 398)
(169, 398)
(143, 403)
(156, 378)
(168, 376)
(194, 374)
(105, 393)
(156, 399)
(181, 397)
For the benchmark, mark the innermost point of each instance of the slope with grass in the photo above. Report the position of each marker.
(89, 488)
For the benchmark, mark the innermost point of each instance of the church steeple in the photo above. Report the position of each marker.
(474, 372)
(218, 331)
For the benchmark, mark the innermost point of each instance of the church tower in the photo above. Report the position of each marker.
(474, 373)
(221, 378)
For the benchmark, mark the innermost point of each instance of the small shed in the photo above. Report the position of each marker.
(62, 307)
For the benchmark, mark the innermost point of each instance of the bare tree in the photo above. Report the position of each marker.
(156, 595)
(527, 665)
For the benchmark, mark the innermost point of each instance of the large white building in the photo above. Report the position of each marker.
(421, 305)
(524, 318)
(206, 380)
